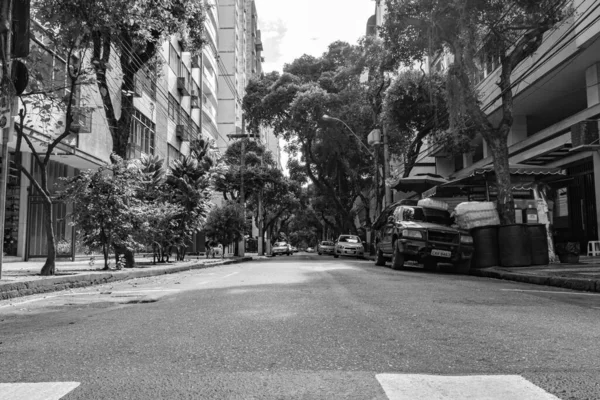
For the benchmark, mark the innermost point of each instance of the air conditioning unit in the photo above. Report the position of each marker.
(585, 133)
(82, 120)
(182, 86)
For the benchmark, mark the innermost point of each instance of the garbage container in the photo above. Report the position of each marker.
(539, 244)
(485, 243)
(514, 245)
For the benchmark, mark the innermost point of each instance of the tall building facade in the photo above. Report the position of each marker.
(232, 67)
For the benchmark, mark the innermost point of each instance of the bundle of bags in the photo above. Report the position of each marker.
(475, 214)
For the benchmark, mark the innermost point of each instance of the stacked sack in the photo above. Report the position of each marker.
(475, 214)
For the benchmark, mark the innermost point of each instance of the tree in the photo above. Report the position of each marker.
(50, 108)
(131, 31)
(294, 105)
(414, 108)
(225, 224)
(507, 31)
(106, 212)
(188, 185)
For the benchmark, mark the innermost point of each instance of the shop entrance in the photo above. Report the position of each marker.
(575, 206)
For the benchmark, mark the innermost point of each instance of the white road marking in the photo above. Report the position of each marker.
(550, 291)
(36, 391)
(226, 276)
(475, 387)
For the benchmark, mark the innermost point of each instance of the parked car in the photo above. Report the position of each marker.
(423, 234)
(326, 247)
(281, 248)
(349, 245)
(294, 249)
(310, 250)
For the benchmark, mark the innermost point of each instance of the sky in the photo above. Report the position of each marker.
(291, 28)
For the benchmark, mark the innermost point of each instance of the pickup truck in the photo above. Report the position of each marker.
(409, 231)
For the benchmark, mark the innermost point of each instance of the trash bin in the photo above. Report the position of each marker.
(485, 243)
(539, 244)
(514, 245)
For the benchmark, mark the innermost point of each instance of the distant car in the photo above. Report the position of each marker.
(349, 245)
(294, 249)
(310, 250)
(281, 248)
(326, 247)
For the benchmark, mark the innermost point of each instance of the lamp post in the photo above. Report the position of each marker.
(328, 118)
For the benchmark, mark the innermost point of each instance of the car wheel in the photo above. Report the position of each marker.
(288, 254)
(336, 256)
(380, 260)
(430, 265)
(462, 267)
(397, 258)
(320, 254)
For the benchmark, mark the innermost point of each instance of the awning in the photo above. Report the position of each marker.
(524, 177)
(519, 169)
(418, 183)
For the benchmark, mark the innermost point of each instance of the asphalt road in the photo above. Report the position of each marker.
(302, 327)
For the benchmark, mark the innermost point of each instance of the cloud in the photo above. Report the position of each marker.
(273, 34)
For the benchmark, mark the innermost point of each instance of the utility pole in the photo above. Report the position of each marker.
(242, 243)
(386, 168)
(260, 220)
(7, 95)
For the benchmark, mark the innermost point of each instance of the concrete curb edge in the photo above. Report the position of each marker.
(53, 284)
(580, 284)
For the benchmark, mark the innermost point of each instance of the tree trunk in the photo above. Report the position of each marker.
(49, 267)
(105, 255)
(505, 201)
(121, 137)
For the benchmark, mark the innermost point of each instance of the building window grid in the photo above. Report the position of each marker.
(143, 135)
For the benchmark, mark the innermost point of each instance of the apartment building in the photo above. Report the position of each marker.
(232, 67)
(556, 119)
(170, 108)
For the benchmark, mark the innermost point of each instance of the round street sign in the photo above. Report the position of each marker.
(3, 121)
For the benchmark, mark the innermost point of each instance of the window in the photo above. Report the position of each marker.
(174, 60)
(143, 136)
(173, 107)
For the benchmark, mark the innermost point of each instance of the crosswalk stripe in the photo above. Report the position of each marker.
(472, 387)
(36, 391)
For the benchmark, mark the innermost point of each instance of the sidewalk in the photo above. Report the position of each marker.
(584, 276)
(22, 278)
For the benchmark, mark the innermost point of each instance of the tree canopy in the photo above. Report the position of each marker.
(475, 33)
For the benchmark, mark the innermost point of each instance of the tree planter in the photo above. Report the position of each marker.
(568, 253)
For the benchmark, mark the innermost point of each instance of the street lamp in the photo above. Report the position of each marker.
(328, 118)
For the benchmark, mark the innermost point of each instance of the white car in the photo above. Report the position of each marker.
(281, 248)
(349, 245)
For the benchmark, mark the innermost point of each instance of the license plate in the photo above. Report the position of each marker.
(441, 253)
(351, 251)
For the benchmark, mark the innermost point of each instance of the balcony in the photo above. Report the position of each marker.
(182, 86)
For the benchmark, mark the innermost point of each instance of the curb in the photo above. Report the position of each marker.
(53, 284)
(580, 284)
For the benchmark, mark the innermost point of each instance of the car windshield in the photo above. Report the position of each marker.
(278, 244)
(349, 239)
(326, 243)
